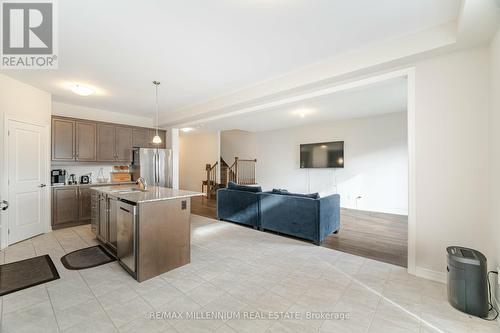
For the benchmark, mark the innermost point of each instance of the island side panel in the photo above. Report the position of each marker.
(163, 236)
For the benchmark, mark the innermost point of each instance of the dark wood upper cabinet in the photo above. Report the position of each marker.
(106, 143)
(92, 141)
(84, 204)
(140, 137)
(64, 205)
(86, 135)
(123, 144)
(63, 140)
(152, 133)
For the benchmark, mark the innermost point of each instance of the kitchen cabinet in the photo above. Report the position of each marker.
(106, 143)
(94, 211)
(86, 133)
(123, 144)
(162, 134)
(77, 204)
(80, 140)
(141, 138)
(102, 224)
(63, 139)
(84, 204)
(64, 206)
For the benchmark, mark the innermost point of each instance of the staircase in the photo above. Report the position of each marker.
(242, 172)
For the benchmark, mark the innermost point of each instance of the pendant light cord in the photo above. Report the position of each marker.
(156, 97)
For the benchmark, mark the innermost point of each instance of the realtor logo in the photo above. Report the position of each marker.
(28, 35)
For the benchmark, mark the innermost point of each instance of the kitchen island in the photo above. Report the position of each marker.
(148, 230)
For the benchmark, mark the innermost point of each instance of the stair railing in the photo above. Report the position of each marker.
(211, 179)
(242, 171)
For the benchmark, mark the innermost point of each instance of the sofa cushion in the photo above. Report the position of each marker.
(301, 195)
(279, 191)
(246, 188)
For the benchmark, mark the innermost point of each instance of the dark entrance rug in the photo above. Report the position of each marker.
(26, 273)
(86, 258)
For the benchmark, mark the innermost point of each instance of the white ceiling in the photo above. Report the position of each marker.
(202, 49)
(383, 97)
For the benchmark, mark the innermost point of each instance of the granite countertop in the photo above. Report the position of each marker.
(153, 193)
(98, 184)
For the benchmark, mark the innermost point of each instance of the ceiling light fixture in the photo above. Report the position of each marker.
(302, 113)
(82, 90)
(156, 139)
(187, 129)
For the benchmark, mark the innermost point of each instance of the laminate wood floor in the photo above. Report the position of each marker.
(378, 236)
(204, 207)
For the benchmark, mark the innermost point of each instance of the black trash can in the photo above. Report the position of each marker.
(467, 281)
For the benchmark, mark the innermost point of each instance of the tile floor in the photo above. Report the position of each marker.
(232, 268)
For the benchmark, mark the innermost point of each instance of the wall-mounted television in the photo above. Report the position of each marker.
(322, 155)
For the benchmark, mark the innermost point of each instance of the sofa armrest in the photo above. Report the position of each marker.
(329, 215)
(238, 206)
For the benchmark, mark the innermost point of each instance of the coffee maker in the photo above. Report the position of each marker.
(58, 177)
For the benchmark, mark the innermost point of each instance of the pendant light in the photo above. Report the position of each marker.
(156, 139)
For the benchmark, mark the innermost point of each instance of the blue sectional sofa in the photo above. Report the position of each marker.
(240, 204)
(305, 216)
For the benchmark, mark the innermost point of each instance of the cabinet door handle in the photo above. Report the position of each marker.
(42, 185)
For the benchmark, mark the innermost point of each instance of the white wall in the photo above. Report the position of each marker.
(77, 111)
(494, 121)
(375, 155)
(237, 143)
(22, 102)
(451, 130)
(195, 151)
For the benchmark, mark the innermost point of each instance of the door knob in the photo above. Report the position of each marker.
(4, 204)
(42, 185)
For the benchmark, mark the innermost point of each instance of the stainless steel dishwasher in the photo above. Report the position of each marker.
(126, 227)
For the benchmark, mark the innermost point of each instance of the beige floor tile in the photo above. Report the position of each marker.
(205, 293)
(124, 313)
(232, 268)
(25, 298)
(36, 318)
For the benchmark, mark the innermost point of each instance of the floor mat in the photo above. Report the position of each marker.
(26, 273)
(86, 258)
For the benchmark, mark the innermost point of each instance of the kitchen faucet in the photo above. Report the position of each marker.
(143, 185)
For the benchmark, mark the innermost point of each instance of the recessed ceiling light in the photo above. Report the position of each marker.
(187, 129)
(82, 90)
(302, 113)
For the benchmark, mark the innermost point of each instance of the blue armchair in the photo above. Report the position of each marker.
(300, 216)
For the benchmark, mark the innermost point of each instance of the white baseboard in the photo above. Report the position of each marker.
(430, 274)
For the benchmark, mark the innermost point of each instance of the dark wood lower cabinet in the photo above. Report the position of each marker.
(71, 206)
(84, 204)
(64, 207)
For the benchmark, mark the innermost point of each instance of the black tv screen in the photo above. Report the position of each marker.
(322, 155)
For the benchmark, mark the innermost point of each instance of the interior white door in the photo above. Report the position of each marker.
(27, 180)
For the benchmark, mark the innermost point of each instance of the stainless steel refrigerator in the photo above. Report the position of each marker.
(154, 165)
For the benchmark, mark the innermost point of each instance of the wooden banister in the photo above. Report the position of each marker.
(211, 181)
(242, 171)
